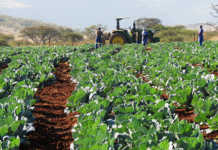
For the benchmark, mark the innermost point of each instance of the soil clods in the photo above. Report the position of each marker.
(52, 125)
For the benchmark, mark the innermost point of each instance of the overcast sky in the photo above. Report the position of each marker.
(83, 13)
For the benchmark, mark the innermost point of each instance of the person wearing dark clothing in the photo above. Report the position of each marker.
(201, 35)
(144, 37)
(99, 35)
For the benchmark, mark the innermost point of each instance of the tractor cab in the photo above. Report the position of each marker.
(123, 36)
(119, 36)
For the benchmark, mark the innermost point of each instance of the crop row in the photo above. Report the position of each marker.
(117, 109)
(118, 87)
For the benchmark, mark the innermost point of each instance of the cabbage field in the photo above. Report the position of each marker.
(163, 97)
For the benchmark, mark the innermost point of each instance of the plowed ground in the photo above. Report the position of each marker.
(52, 125)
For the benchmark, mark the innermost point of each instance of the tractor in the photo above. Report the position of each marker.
(134, 35)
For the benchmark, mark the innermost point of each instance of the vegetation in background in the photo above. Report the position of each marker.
(147, 22)
(5, 39)
(211, 35)
(51, 35)
(90, 32)
(73, 37)
(37, 33)
(176, 34)
(166, 33)
(18, 24)
(40, 34)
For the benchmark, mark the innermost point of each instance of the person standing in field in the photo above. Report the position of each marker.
(144, 37)
(99, 35)
(201, 35)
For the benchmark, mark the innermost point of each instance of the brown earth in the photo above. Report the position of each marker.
(198, 65)
(202, 66)
(185, 114)
(204, 126)
(52, 125)
(214, 72)
(139, 75)
(177, 48)
(148, 49)
(164, 96)
(212, 135)
(190, 116)
(2, 67)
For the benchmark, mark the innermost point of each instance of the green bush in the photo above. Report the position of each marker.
(176, 34)
(4, 39)
(3, 42)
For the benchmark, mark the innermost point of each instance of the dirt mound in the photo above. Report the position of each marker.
(185, 114)
(52, 125)
(212, 135)
(2, 67)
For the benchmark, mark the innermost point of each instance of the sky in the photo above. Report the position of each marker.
(79, 14)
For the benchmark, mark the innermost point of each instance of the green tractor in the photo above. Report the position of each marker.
(123, 36)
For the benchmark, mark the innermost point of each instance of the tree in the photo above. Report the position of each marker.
(74, 37)
(158, 27)
(51, 34)
(32, 33)
(41, 34)
(4, 39)
(64, 33)
(90, 31)
(147, 22)
(69, 35)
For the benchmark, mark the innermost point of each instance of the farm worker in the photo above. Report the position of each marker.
(144, 37)
(201, 35)
(99, 35)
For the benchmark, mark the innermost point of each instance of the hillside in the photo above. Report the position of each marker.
(12, 25)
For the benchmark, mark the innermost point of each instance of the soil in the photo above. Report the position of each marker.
(164, 96)
(185, 114)
(190, 117)
(211, 136)
(202, 66)
(139, 75)
(148, 49)
(52, 125)
(204, 126)
(198, 65)
(177, 48)
(215, 73)
(180, 110)
(2, 67)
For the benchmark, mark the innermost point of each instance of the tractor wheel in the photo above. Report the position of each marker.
(118, 38)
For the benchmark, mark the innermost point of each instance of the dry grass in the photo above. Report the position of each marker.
(215, 38)
(84, 42)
